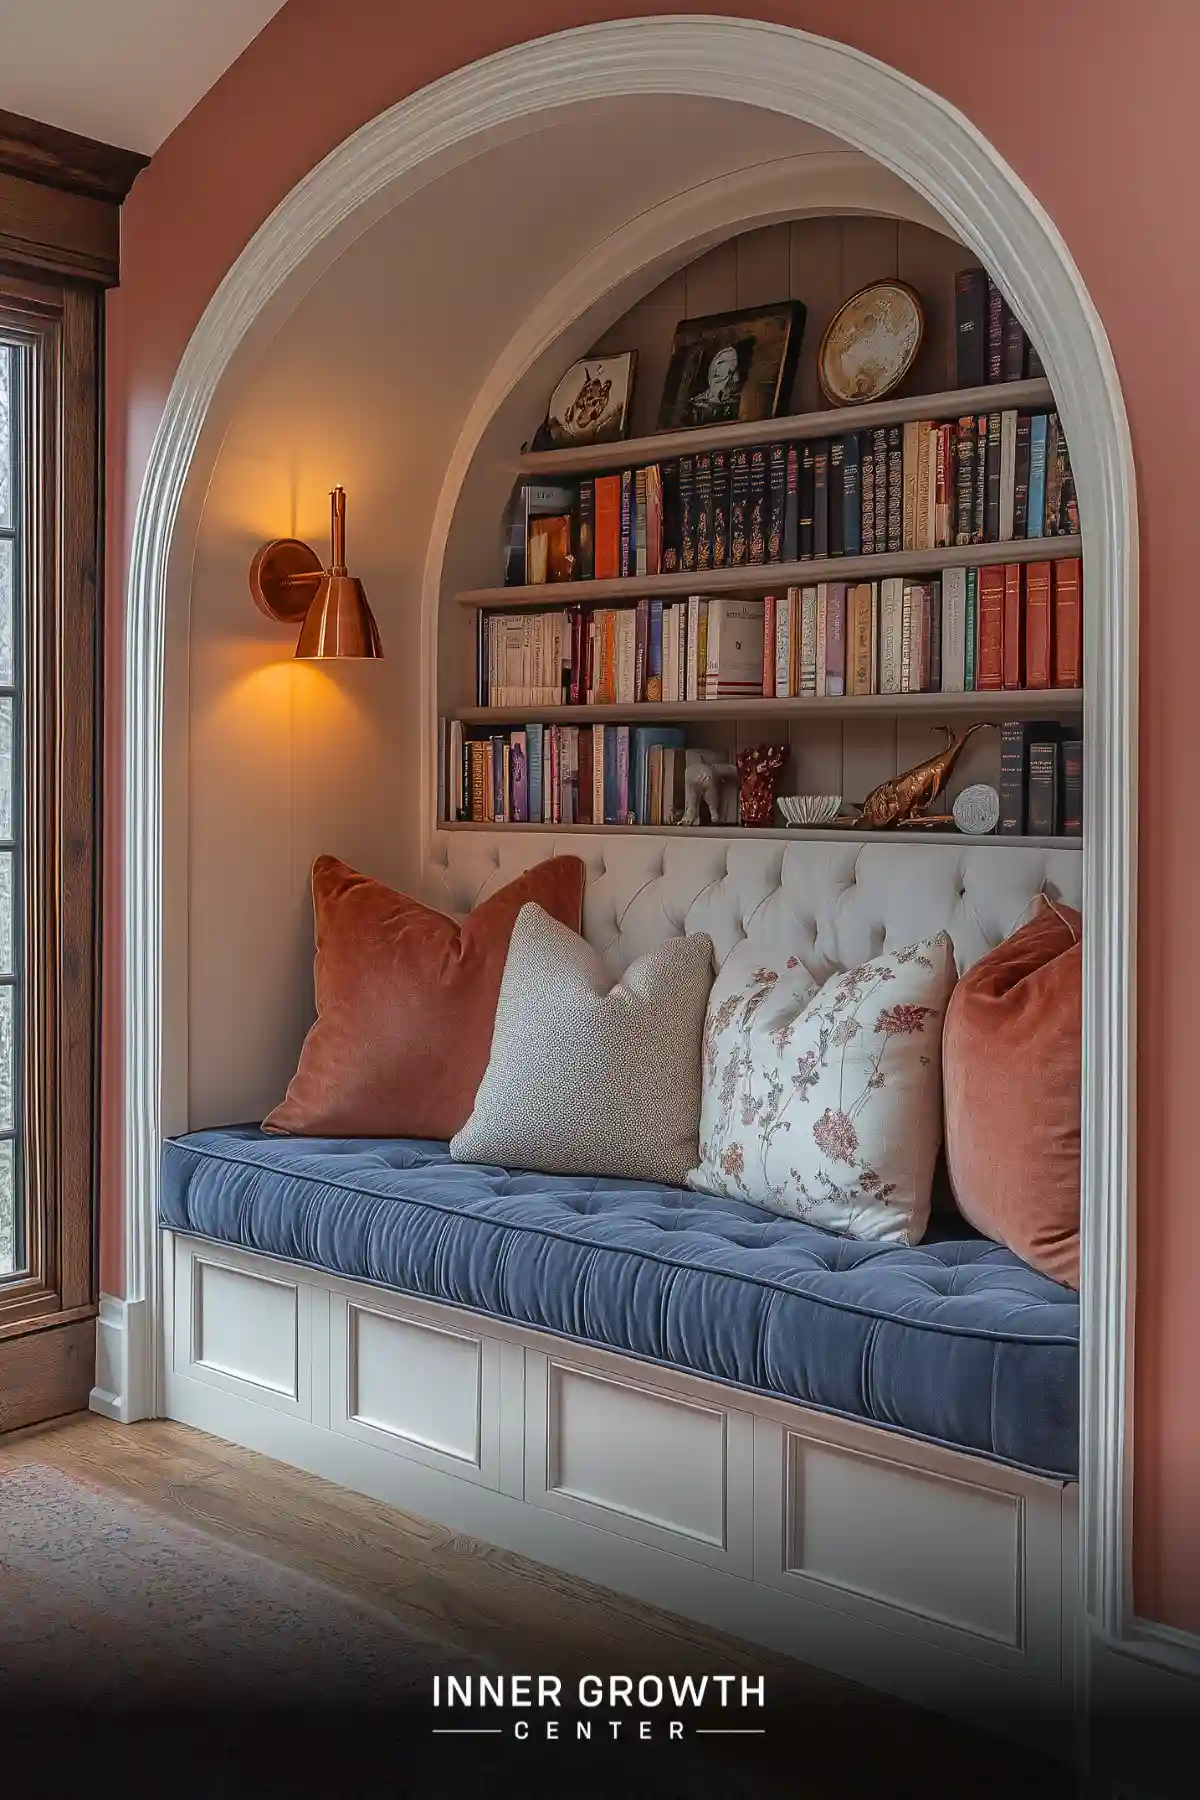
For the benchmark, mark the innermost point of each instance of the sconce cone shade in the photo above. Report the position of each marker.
(337, 620)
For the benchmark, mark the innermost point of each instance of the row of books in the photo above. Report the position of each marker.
(990, 341)
(562, 774)
(986, 478)
(1007, 625)
(1041, 779)
(633, 775)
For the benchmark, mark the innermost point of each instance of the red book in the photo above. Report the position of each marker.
(608, 527)
(1068, 623)
(1013, 660)
(769, 647)
(990, 671)
(1037, 625)
(583, 806)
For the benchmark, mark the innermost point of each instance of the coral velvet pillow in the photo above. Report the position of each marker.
(406, 1001)
(824, 1103)
(1011, 1068)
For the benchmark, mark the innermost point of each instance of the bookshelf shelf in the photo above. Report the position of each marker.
(795, 833)
(1007, 703)
(759, 578)
(589, 459)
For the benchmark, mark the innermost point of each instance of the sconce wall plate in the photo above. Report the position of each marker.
(275, 593)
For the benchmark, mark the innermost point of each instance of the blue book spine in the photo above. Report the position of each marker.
(533, 751)
(654, 655)
(612, 815)
(1037, 475)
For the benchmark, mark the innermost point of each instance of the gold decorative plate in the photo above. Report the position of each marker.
(871, 343)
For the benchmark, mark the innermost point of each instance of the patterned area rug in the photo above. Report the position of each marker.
(109, 1603)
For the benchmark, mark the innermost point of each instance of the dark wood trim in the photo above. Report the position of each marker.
(47, 1373)
(61, 322)
(62, 159)
(56, 233)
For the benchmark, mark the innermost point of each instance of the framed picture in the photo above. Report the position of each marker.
(732, 366)
(591, 403)
(871, 343)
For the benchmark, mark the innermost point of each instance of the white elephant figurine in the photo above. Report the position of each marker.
(709, 781)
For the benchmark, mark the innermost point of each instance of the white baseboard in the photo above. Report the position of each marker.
(121, 1391)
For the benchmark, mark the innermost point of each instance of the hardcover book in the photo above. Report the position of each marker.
(808, 479)
(1020, 522)
(1071, 787)
(608, 527)
(791, 506)
(971, 646)
(704, 505)
(912, 474)
(822, 625)
(836, 498)
(991, 516)
(891, 632)
(687, 513)
(769, 646)
(1038, 606)
(979, 493)
(720, 508)
(860, 671)
(879, 455)
(970, 327)
(995, 332)
(628, 523)
(641, 563)
(1013, 352)
(669, 561)
(954, 631)
(1054, 475)
(734, 655)
(821, 497)
(1015, 738)
(784, 606)
(964, 481)
(1041, 799)
(533, 757)
(1014, 627)
(866, 481)
(739, 507)
(895, 487)
(808, 641)
(587, 528)
(1038, 428)
(776, 501)
(1067, 630)
(1008, 475)
(851, 496)
(756, 534)
(935, 636)
(654, 520)
(835, 639)
(989, 674)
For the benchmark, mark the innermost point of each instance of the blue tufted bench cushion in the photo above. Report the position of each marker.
(956, 1341)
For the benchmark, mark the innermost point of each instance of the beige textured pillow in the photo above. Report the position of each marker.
(587, 1078)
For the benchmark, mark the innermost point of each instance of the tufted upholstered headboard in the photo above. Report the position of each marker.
(832, 904)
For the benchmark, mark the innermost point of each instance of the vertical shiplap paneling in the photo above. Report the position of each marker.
(928, 262)
(868, 756)
(648, 328)
(712, 281)
(763, 265)
(815, 255)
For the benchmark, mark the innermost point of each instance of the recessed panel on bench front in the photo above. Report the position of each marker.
(419, 1389)
(242, 1330)
(943, 1549)
(642, 1461)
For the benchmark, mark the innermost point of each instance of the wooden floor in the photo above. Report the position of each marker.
(528, 1617)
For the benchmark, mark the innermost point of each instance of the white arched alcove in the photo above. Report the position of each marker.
(923, 142)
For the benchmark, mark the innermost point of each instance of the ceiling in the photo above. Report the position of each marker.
(122, 71)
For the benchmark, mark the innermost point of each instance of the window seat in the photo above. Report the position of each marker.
(955, 1341)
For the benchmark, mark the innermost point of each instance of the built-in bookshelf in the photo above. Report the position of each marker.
(840, 742)
(792, 833)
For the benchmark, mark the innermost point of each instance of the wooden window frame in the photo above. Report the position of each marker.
(57, 896)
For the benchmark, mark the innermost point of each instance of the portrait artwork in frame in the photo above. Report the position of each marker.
(732, 367)
(590, 404)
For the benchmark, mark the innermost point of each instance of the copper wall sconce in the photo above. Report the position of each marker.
(290, 585)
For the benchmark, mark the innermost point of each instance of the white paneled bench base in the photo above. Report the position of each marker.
(940, 1577)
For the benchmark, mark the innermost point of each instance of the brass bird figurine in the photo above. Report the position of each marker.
(904, 798)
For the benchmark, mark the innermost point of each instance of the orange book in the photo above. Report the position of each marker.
(1068, 623)
(1037, 625)
(608, 527)
(990, 672)
(1013, 660)
(768, 682)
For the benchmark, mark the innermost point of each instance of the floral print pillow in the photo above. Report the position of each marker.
(825, 1103)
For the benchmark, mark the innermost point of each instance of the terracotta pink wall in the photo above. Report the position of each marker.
(1094, 106)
